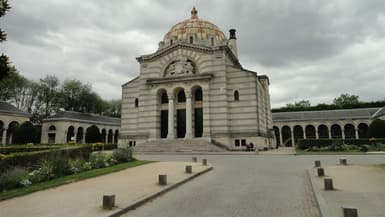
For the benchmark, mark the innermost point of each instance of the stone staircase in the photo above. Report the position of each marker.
(178, 145)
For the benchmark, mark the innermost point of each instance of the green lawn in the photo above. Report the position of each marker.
(69, 179)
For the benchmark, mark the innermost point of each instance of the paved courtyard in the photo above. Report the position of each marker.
(245, 185)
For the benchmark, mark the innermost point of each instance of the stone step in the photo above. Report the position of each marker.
(178, 145)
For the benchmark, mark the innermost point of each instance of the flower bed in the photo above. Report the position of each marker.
(58, 165)
(31, 160)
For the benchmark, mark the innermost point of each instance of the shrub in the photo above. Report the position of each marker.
(13, 178)
(93, 135)
(25, 133)
(60, 163)
(33, 159)
(122, 154)
(377, 129)
(98, 160)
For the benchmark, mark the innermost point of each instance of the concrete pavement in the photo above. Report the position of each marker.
(356, 186)
(84, 198)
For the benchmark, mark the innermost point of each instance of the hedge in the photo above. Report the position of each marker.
(307, 143)
(24, 148)
(32, 159)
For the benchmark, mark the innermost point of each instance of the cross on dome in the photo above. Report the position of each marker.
(194, 13)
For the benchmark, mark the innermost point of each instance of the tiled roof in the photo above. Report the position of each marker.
(361, 113)
(78, 116)
(10, 109)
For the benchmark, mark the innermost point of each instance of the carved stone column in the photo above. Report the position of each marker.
(170, 134)
(292, 136)
(280, 136)
(188, 116)
(304, 132)
(356, 130)
(4, 138)
(330, 131)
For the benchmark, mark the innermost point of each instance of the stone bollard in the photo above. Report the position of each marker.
(317, 163)
(194, 159)
(349, 212)
(162, 179)
(320, 171)
(204, 162)
(108, 201)
(188, 169)
(328, 182)
(343, 161)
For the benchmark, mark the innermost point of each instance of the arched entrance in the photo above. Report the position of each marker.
(116, 136)
(110, 136)
(52, 134)
(310, 132)
(163, 108)
(11, 129)
(323, 132)
(277, 136)
(70, 133)
(286, 136)
(198, 111)
(1, 131)
(104, 134)
(79, 135)
(349, 131)
(363, 130)
(336, 131)
(298, 133)
(180, 113)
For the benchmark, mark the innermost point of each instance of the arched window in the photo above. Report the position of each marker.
(236, 96)
(212, 41)
(52, 128)
(164, 98)
(181, 96)
(171, 41)
(191, 40)
(198, 95)
(136, 102)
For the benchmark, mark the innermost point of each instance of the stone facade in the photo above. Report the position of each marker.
(66, 126)
(194, 88)
(10, 118)
(344, 124)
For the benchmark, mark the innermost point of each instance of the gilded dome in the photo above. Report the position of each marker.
(195, 31)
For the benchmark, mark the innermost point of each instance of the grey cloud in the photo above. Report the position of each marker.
(310, 49)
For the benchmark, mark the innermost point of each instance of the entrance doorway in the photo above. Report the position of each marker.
(181, 122)
(198, 122)
(163, 123)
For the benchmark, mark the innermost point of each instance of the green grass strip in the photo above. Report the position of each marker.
(69, 179)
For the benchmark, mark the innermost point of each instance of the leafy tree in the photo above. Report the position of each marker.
(4, 61)
(377, 129)
(11, 84)
(71, 95)
(346, 99)
(48, 92)
(299, 104)
(93, 135)
(25, 133)
(114, 108)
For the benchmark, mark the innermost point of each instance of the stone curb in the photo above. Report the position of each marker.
(324, 209)
(151, 197)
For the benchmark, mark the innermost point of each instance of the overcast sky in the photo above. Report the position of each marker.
(312, 50)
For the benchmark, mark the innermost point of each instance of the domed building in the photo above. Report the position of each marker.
(193, 94)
